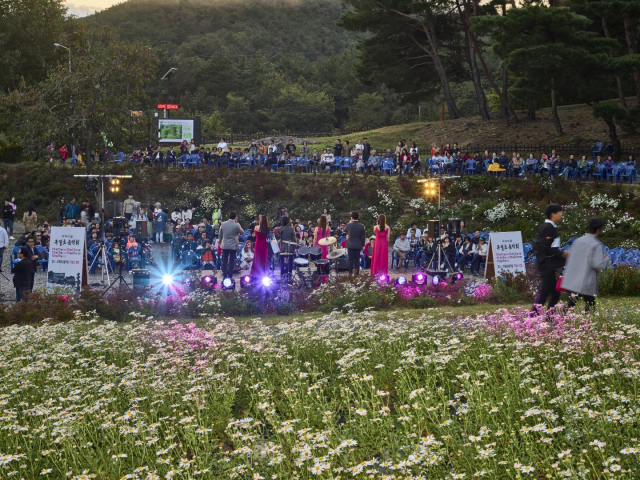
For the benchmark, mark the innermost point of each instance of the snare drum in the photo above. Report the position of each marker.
(303, 252)
(315, 253)
(323, 266)
(301, 263)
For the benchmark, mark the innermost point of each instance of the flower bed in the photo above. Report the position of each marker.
(343, 396)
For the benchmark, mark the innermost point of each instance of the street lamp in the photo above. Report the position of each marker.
(68, 50)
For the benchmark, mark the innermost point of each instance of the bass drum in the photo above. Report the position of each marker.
(315, 253)
(323, 266)
(303, 252)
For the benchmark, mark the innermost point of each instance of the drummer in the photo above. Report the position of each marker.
(287, 246)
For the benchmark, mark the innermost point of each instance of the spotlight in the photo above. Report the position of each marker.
(228, 284)
(246, 281)
(436, 279)
(419, 278)
(208, 282)
(401, 280)
(383, 278)
(456, 276)
(167, 280)
(266, 282)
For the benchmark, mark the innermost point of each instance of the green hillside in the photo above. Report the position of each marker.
(204, 28)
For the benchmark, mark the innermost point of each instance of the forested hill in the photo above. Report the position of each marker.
(202, 28)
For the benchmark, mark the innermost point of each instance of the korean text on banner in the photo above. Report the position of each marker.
(507, 251)
(66, 258)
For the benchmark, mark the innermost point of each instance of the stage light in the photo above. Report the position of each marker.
(401, 280)
(267, 282)
(456, 276)
(383, 278)
(167, 279)
(419, 278)
(208, 282)
(436, 279)
(228, 284)
(246, 281)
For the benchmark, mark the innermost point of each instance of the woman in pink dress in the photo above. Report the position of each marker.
(322, 231)
(260, 265)
(380, 257)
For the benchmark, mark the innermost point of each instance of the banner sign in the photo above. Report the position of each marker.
(506, 254)
(67, 260)
(171, 130)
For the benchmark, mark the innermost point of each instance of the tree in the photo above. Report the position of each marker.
(410, 31)
(28, 30)
(552, 52)
(368, 110)
(106, 85)
(612, 113)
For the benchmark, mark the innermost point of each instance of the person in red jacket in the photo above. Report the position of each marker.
(64, 153)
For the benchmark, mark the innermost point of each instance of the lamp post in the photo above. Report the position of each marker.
(68, 50)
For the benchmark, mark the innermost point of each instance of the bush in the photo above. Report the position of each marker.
(10, 152)
(621, 281)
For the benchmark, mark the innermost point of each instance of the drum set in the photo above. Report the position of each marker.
(309, 266)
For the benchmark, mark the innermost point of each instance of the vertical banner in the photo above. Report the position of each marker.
(506, 254)
(67, 259)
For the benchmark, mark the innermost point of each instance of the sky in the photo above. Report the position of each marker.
(87, 7)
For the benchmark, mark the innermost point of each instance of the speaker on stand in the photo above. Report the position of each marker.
(454, 227)
(433, 228)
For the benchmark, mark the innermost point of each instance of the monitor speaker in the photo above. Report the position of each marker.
(342, 265)
(141, 278)
(454, 227)
(433, 228)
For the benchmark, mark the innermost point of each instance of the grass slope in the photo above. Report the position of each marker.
(578, 123)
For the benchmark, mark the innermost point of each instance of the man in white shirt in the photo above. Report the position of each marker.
(222, 144)
(414, 226)
(401, 248)
(327, 159)
(359, 146)
(4, 243)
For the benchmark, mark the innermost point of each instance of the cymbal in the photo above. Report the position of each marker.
(289, 243)
(327, 241)
(285, 254)
(336, 254)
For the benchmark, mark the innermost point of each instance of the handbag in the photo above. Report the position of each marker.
(558, 285)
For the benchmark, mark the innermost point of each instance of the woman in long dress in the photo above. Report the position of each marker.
(260, 265)
(380, 257)
(322, 231)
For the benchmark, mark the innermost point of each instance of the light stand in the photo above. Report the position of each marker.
(119, 278)
(103, 249)
(431, 191)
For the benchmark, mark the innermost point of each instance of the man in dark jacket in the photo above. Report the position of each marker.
(33, 256)
(355, 242)
(170, 157)
(549, 257)
(366, 152)
(22, 273)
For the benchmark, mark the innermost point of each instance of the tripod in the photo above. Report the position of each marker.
(440, 253)
(119, 278)
(102, 252)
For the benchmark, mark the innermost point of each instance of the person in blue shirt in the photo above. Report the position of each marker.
(73, 210)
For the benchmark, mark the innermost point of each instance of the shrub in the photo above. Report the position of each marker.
(622, 281)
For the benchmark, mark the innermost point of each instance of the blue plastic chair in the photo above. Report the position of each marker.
(387, 166)
(134, 255)
(247, 162)
(472, 169)
(347, 163)
(14, 257)
(599, 173)
(43, 262)
(182, 160)
(627, 172)
(434, 165)
(118, 157)
(189, 261)
(194, 161)
(613, 173)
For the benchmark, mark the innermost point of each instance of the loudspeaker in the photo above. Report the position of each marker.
(454, 227)
(433, 228)
(141, 278)
(118, 226)
(141, 230)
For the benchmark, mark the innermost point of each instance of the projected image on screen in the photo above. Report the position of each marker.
(171, 132)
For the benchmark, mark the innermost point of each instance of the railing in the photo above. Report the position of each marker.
(563, 149)
(235, 138)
